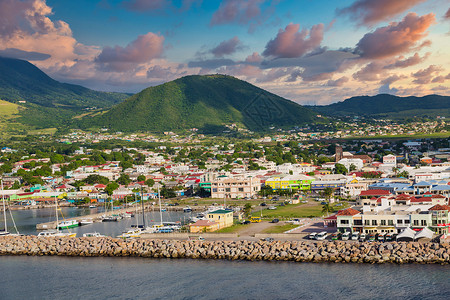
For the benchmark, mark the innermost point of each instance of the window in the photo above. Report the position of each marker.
(416, 222)
(407, 221)
(344, 221)
(358, 222)
(227, 190)
(423, 222)
(399, 221)
(240, 189)
(390, 222)
(383, 222)
(374, 222)
(366, 222)
(215, 190)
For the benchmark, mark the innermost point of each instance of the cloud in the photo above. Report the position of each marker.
(371, 71)
(119, 59)
(227, 47)
(338, 82)
(254, 58)
(26, 55)
(396, 38)
(370, 12)
(393, 78)
(145, 5)
(410, 61)
(386, 89)
(211, 64)
(237, 11)
(290, 43)
(425, 76)
(447, 15)
(438, 79)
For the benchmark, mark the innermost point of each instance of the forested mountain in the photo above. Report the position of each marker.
(202, 102)
(389, 106)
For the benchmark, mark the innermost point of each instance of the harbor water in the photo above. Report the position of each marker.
(26, 277)
(26, 220)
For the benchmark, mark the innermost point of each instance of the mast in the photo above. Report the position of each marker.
(160, 209)
(4, 208)
(136, 206)
(143, 209)
(56, 209)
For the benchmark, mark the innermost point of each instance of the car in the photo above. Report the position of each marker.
(323, 203)
(263, 204)
(267, 239)
(338, 204)
(345, 236)
(335, 236)
(275, 221)
(312, 235)
(355, 236)
(362, 237)
(304, 201)
(321, 236)
(272, 207)
(246, 222)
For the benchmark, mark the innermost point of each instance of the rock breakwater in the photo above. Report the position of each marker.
(299, 251)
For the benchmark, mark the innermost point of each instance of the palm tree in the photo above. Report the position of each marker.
(327, 208)
(328, 192)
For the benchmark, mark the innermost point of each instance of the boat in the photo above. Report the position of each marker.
(86, 222)
(131, 233)
(68, 224)
(56, 233)
(109, 219)
(5, 231)
(93, 234)
(187, 209)
(92, 206)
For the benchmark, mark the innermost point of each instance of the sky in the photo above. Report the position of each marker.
(308, 51)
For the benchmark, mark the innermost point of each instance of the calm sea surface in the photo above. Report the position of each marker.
(139, 278)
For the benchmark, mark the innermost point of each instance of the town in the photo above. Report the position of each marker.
(357, 189)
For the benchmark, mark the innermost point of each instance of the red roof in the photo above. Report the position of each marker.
(203, 223)
(404, 197)
(440, 207)
(100, 186)
(375, 193)
(423, 199)
(348, 212)
(333, 217)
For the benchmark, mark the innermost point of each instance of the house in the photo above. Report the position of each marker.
(235, 187)
(203, 226)
(223, 217)
(290, 182)
(348, 220)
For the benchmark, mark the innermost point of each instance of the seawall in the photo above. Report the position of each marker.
(299, 251)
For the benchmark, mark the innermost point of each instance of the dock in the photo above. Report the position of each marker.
(98, 216)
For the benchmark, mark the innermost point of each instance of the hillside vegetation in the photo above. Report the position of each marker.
(391, 106)
(203, 102)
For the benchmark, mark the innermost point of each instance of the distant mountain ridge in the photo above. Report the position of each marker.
(23, 81)
(202, 102)
(388, 105)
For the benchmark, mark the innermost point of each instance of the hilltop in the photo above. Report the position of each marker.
(385, 105)
(204, 102)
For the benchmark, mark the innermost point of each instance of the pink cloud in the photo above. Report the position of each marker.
(338, 82)
(393, 78)
(145, 5)
(145, 48)
(447, 14)
(290, 43)
(425, 76)
(237, 11)
(370, 72)
(227, 47)
(438, 79)
(396, 38)
(370, 12)
(410, 61)
(254, 58)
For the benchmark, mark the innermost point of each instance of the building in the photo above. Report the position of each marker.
(235, 187)
(222, 217)
(290, 182)
(203, 226)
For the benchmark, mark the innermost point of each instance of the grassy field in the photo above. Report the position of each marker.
(280, 228)
(291, 211)
(232, 229)
(8, 126)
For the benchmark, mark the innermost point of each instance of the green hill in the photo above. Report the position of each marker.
(391, 106)
(43, 102)
(202, 102)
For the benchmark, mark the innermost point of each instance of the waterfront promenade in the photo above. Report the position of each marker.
(298, 251)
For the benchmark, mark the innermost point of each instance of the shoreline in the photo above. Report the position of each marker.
(298, 251)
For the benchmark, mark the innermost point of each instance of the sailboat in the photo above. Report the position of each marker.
(110, 218)
(56, 232)
(5, 231)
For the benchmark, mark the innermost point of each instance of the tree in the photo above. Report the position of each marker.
(111, 187)
(124, 179)
(403, 174)
(340, 169)
(328, 192)
(327, 208)
(352, 167)
(95, 178)
(150, 182)
(247, 209)
(141, 178)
